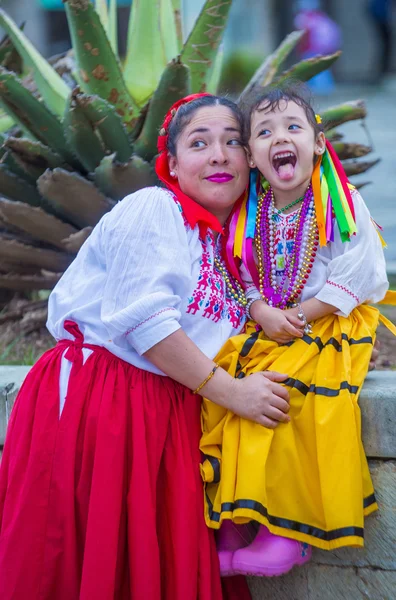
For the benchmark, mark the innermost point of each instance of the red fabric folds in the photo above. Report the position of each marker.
(106, 502)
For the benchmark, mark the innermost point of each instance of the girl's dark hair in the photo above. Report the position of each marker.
(186, 112)
(270, 99)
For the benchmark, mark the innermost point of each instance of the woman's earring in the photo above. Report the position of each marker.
(172, 174)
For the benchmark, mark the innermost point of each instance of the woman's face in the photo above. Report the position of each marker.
(210, 162)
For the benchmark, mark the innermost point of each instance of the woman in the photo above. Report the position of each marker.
(100, 492)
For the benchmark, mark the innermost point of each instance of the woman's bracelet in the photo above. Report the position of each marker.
(208, 378)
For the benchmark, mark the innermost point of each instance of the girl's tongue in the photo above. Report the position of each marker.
(285, 165)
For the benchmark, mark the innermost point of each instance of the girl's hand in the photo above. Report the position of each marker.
(276, 324)
(260, 398)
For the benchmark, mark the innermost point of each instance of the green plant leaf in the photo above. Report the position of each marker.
(306, 69)
(99, 70)
(73, 198)
(355, 167)
(16, 188)
(215, 75)
(108, 124)
(6, 122)
(174, 84)
(81, 137)
(117, 180)
(345, 150)
(34, 153)
(113, 27)
(177, 12)
(102, 10)
(35, 222)
(32, 114)
(145, 57)
(348, 111)
(50, 85)
(199, 51)
(271, 65)
(168, 30)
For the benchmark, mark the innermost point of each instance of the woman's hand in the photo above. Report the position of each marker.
(260, 398)
(279, 325)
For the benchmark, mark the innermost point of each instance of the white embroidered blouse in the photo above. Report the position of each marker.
(142, 274)
(343, 274)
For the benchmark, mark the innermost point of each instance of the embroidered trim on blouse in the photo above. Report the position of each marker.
(148, 319)
(344, 289)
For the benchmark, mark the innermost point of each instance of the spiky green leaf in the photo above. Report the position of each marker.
(145, 58)
(102, 10)
(99, 70)
(108, 124)
(271, 65)
(32, 114)
(35, 153)
(306, 69)
(199, 51)
(51, 86)
(168, 31)
(81, 137)
(73, 198)
(348, 111)
(116, 180)
(6, 122)
(113, 27)
(345, 150)
(355, 167)
(21, 168)
(21, 283)
(177, 12)
(174, 84)
(35, 222)
(42, 258)
(215, 75)
(15, 188)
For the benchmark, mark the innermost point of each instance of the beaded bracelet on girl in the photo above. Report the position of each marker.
(208, 378)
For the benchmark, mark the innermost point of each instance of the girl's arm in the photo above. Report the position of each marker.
(357, 272)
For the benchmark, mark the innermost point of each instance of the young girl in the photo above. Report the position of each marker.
(309, 258)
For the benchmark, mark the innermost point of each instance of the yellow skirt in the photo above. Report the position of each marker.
(308, 479)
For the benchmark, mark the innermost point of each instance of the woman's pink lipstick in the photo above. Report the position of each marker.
(220, 177)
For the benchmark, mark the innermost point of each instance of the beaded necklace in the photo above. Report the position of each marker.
(233, 286)
(279, 211)
(299, 265)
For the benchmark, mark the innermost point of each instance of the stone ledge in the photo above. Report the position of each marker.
(377, 402)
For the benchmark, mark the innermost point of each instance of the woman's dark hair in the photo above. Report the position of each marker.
(186, 112)
(270, 99)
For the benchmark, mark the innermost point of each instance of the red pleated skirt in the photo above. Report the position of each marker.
(105, 502)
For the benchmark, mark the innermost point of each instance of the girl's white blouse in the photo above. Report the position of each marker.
(141, 275)
(344, 274)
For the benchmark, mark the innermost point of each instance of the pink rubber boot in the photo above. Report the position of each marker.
(270, 555)
(229, 538)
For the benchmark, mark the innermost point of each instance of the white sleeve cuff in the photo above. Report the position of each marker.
(339, 296)
(146, 334)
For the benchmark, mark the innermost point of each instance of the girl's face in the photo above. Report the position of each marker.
(210, 161)
(283, 145)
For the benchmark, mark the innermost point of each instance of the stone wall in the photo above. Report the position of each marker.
(353, 574)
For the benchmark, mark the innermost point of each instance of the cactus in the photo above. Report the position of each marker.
(79, 132)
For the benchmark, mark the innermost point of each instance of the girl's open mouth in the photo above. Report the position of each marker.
(284, 164)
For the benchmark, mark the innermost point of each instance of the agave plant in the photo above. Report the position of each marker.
(79, 132)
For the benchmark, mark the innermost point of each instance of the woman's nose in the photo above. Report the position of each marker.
(219, 155)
